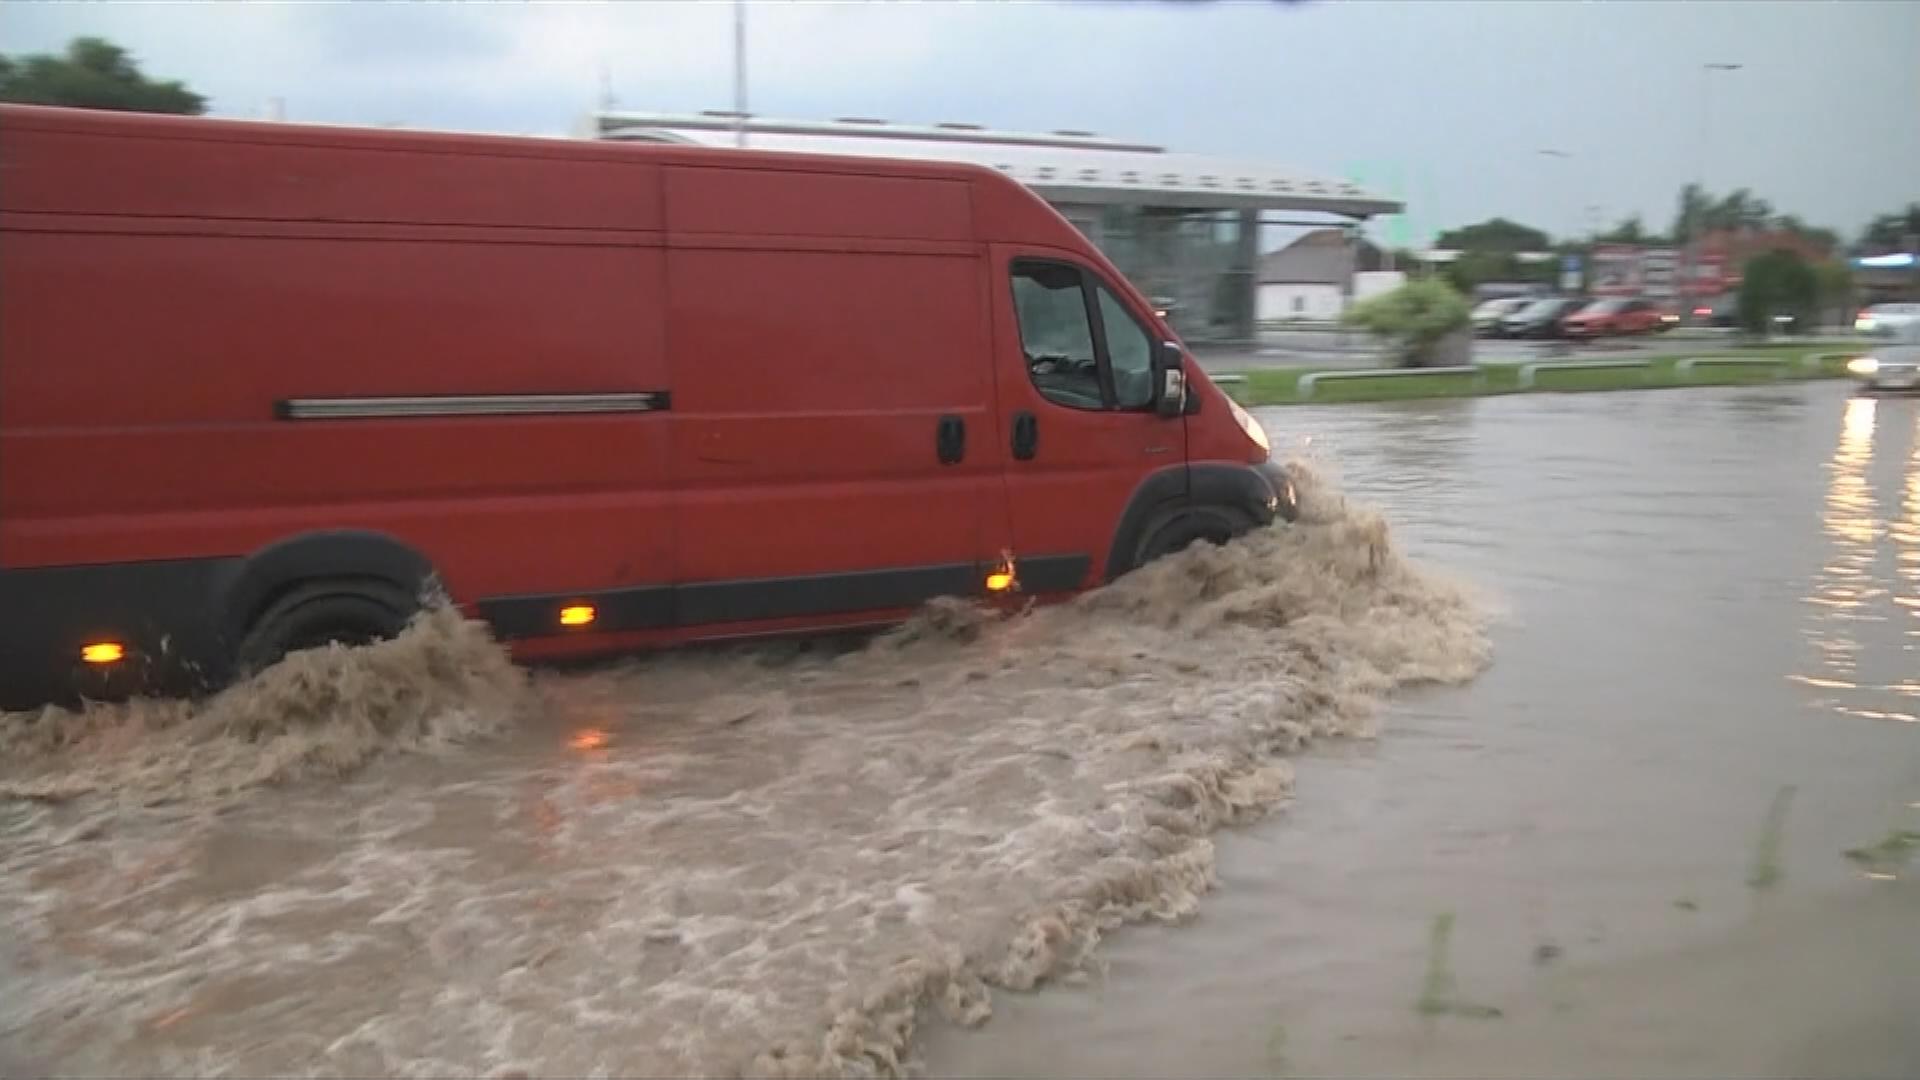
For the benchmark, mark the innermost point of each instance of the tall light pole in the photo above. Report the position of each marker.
(1689, 254)
(1559, 271)
(740, 72)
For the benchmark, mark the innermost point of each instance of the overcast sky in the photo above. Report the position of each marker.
(1444, 104)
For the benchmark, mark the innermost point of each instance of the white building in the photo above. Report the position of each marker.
(1184, 228)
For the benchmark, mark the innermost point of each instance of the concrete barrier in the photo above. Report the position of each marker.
(1528, 371)
(1304, 389)
(1777, 365)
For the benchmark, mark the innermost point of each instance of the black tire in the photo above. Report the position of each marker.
(309, 616)
(1213, 525)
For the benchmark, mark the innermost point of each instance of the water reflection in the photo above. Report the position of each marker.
(1906, 537)
(1843, 586)
(1848, 588)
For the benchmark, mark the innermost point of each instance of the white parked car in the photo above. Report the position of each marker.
(1887, 320)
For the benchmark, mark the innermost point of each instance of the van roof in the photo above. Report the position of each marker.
(222, 129)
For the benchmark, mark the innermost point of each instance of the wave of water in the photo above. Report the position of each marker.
(741, 861)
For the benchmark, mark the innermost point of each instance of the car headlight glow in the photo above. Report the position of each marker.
(1863, 365)
(1249, 425)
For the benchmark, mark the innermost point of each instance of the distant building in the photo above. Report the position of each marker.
(1319, 274)
(1887, 277)
(1309, 278)
(1184, 228)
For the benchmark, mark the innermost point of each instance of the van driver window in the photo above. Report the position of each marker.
(1129, 352)
(1056, 334)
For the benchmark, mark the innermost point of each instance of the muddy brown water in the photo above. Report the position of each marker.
(1706, 618)
(411, 859)
(1710, 607)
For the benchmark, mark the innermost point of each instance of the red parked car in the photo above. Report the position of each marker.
(1613, 317)
(261, 385)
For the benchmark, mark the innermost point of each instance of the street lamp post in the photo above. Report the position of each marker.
(1557, 155)
(1689, 253)
(740, 72)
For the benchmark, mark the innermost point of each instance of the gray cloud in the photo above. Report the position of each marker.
(1448, 102)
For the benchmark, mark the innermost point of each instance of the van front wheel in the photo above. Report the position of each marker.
(1214, 525)
(310, 616)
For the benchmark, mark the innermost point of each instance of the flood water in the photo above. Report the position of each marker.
(1618, 849)
(1705, 691)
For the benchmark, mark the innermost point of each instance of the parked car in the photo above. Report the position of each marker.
(1720, 313)
(1887, 320)
(1612, 317)
(1540, 319)
(1486, 317)
(603, 396)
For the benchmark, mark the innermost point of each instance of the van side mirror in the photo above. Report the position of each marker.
(1169, 380)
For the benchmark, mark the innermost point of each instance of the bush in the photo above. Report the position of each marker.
(1416, 317)
(1779, 283)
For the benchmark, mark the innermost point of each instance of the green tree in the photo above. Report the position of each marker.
(1496, 235)
(1824, 239)
(1779, 283)
(93, 74)
(1630, 231)
(1416, 317)
(1740, 209)
(1691, 216)
(1833, 282)
(1889, 232)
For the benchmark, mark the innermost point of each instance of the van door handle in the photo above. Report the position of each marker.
(1026, 436)
(950, 440)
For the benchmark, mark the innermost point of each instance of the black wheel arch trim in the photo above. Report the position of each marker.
(1260, 492)
(317, 556)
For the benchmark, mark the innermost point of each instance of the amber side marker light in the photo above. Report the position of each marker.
(103, 652)
(577, 615)
(1000, 578)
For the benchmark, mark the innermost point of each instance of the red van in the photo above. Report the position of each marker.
(265, 386)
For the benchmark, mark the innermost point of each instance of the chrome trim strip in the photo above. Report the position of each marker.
(369, 408)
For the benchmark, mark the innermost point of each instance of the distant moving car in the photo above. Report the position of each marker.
(1540, 319)
(1887, 320)
(1611, 318)
(1894, 366)
(1486, 317)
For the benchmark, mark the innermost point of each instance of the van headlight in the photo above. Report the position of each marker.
(1251, 426)
(1863, 365)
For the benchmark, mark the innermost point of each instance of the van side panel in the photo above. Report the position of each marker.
(279, 177)
(810, 390)
(767, 202)
(141, 363)
(806, 413)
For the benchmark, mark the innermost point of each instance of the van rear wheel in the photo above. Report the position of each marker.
(322, 613)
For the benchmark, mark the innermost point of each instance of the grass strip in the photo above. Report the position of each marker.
(1774, 363)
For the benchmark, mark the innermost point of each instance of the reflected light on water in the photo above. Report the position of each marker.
(1877, 714)
(1824, 684)
(1838, 591)
(1848, 589)
(587, 739)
